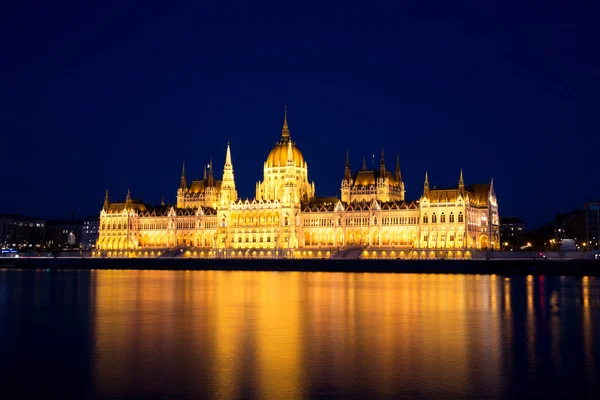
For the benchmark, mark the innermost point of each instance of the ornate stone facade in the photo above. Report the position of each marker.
(285, 219)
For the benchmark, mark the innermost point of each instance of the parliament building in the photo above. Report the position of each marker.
(286, 219)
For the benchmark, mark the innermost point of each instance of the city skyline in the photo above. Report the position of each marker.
(84, 110)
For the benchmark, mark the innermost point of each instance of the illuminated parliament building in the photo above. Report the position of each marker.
(369, 219)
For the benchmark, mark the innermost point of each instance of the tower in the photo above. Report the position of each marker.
(461, 184)
(382, 171)
(183, 183)
(426, 185)
(398, 177)
(106, 201)
(228, 192)
(348, 171)
(128, 199)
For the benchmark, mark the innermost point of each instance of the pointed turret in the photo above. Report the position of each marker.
(461, 183)
(228, 192)
(204, 173)
(162, 202)
(106, 201)
(347, 172)
(183, 183)
(128, 198)
(228, 156)
(382, 171)
(426, 185)
(211, 176)
(285, 132)
(398, 174)
(364, 167)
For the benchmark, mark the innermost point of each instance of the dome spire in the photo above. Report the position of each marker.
(285, 132)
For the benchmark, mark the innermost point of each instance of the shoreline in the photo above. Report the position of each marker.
(437, 266)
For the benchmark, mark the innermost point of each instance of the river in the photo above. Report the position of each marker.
(294, 335)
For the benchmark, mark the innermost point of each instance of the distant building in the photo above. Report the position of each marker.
(21, 232)
(512, 232)
(592, 224)
(570, 226)
(89, 235)
(57, 233)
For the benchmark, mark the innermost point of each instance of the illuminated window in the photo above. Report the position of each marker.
(451, 218)
(442, 218)
(425, 218)
(433, 218)
(460, 217)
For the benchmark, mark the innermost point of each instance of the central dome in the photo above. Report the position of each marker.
(278, 156)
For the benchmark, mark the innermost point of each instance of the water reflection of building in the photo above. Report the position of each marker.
(287, 219)
(295, 335)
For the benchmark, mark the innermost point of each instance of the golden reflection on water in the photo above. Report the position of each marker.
(283, 335)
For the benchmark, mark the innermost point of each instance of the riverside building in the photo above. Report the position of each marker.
(370, 219)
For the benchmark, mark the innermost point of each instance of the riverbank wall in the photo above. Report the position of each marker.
(572, 267)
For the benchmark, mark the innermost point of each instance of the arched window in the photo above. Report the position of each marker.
(433, 218)
(442, 218)
(374, 220)
(339, 221)
(460, 217)
(285, 221)
(425, 220)
(451, 217)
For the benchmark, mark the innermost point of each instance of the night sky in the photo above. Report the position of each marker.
(117, 95)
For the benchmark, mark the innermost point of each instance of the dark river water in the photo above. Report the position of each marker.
(269, 335)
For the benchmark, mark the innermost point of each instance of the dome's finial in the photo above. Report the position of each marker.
(285, 132)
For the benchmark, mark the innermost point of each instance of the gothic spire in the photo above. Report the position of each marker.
(228, 156)
(398, 174)
(106, 201)
(183, 184)
(347, 172)
(204, 173)
(285, 132)
(162, 202)
(382, 171)
(211, 177)
(426, 185)
(128, 198)
(364, 167)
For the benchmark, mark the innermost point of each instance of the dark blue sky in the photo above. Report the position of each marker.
(117, 95)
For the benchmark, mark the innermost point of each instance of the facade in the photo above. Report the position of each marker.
(59, 231)
(89, 234)
(21, 232)
(512, 232)
(371, 218)
(592, 222)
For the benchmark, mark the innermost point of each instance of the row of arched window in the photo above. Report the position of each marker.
(442, 218)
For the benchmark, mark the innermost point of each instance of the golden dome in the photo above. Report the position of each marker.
(278, 156)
